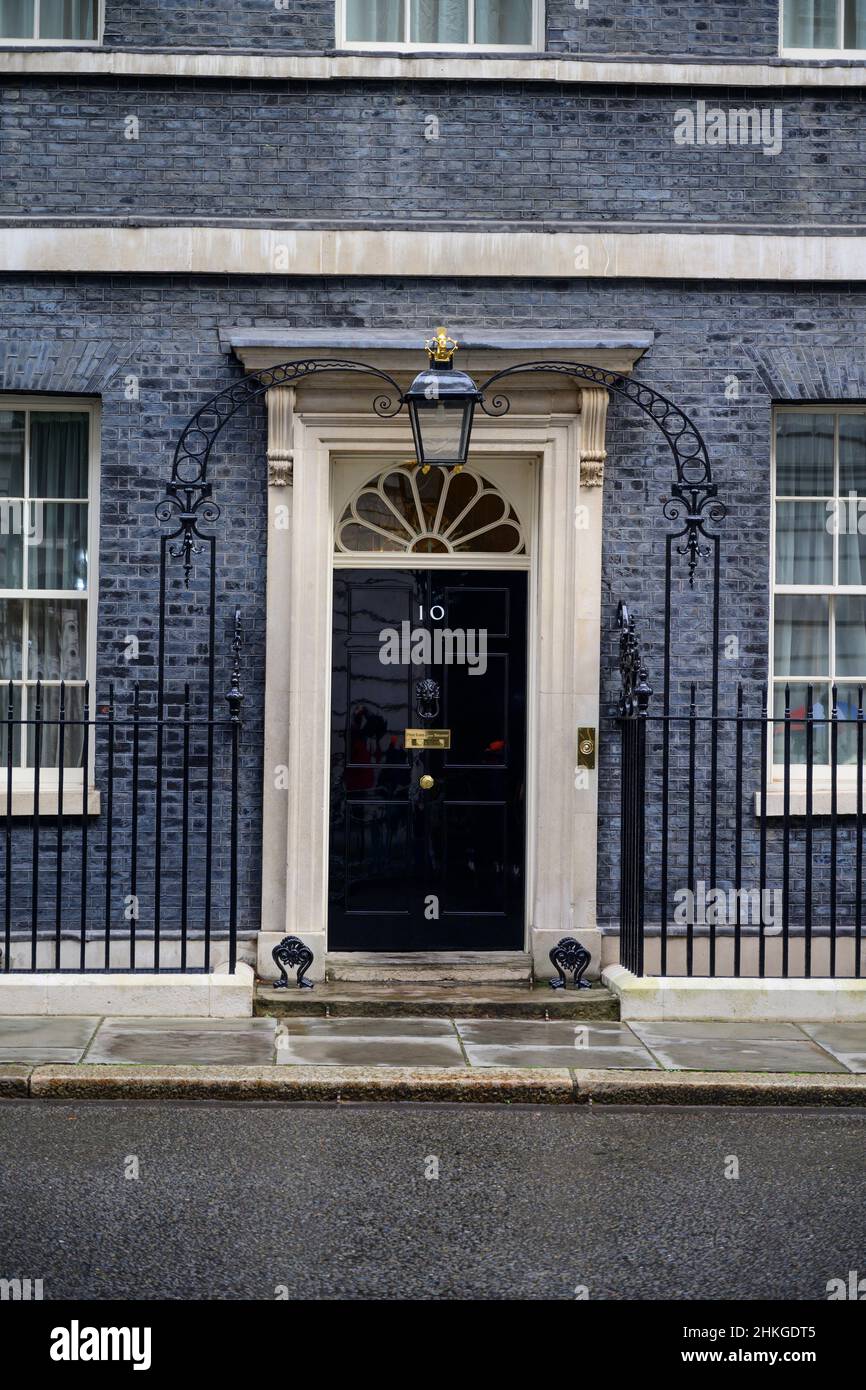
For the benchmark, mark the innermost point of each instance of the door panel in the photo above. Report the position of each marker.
(442, 868)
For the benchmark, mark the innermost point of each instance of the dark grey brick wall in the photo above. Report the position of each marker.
(255, 24)
(87, 333)
(357, 152)
(693, 28)
(698, 29)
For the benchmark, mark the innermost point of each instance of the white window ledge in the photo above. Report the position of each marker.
(24, 802)
(384, 66)
(846, 801)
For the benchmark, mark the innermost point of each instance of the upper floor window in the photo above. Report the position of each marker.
(51, 21)
(47, 520)
(819, 628)
(488, 24)
(831, 26)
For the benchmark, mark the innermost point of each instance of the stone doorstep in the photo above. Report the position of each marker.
(506, 1085)
(435, 967)
(337, 999)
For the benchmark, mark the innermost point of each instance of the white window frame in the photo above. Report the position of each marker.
(855, 54)
(37, 42)
(536, 44)
(23, 778)
(846, 773)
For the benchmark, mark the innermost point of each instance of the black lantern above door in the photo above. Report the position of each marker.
(441, 404)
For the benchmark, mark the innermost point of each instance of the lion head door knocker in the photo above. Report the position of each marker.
(568, 954)
(427, 699)
(292, 952)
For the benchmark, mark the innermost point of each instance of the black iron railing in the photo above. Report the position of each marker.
(119, 831)
(742, 831)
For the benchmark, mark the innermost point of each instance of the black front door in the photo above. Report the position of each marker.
(428, 842)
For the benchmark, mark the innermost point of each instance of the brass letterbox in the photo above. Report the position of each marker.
(427, 738)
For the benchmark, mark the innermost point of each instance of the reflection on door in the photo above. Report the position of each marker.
(427, 842)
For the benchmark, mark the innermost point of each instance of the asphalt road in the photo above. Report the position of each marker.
(238, 1201)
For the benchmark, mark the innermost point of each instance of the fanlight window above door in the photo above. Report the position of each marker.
(405, 511)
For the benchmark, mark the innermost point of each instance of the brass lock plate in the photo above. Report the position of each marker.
(427, 738)
(586, 747)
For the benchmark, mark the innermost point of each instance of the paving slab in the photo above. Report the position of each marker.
(538, 1032)
(733, 1032)
(509, 1043)
(194, 1041)
(39, 1038)
(729, 1055)
(347, 1051)
(408, 1028)
(845, 1041)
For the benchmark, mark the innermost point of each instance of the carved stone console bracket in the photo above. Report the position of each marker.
(593, 422)
(281, 408)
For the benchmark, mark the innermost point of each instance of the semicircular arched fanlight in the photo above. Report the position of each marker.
(405, 511)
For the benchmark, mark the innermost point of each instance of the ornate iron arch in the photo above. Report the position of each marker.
(694, 495)
(693, 504)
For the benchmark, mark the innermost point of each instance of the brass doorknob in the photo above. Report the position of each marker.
(426, 782)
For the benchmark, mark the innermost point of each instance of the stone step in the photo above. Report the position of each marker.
(336, 999)
(435, 967)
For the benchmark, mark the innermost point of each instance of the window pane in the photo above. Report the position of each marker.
(804, 544)
(855, 23)
(798, 707)
(847, 701)
(16, 19)
(852, 549)
(49, 737)
(11, 453)
(852, 454)
(57, 630)
(67, 19)
(810, 24)
(804, 454)
(439, 21)
(58, 453)
(503, 21)
(374, 21)
(11, 544)
(851, 636)
(11, 635)
(57, 558)
(4, 730)
(801, 639)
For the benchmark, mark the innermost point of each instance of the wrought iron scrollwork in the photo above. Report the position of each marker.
(694, 499)
(234, 694)
(188, 494)
(636, 689)
(569, 954)
(292, 952)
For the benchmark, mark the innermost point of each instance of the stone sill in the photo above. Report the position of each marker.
(24, 802)
(436, 66)
(846, 801)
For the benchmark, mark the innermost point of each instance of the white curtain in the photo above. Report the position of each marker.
(811, 24)
(439, 21)
(855, 23)
(17, 19)
(374, 21)
(67, 19)
(503, 21)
